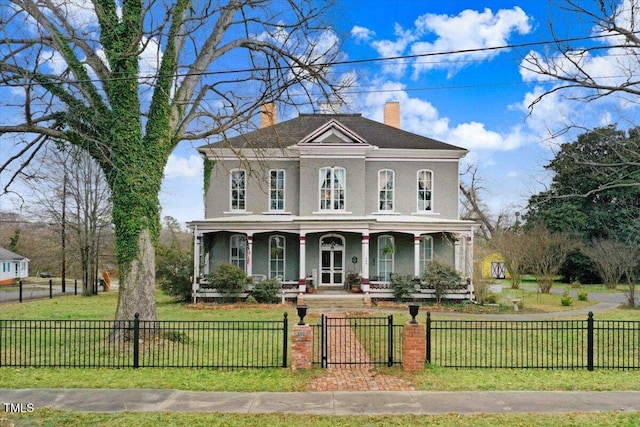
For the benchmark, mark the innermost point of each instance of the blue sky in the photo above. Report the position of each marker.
(477, 100)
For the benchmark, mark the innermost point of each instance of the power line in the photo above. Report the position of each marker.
(351, 61)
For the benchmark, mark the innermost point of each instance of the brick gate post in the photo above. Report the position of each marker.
(414, 347)
(302, 347)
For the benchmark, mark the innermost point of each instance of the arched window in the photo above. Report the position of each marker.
(386, 185)
(426, 251)
(277, 253)
(333, 184)
(238, 190)
(386, 252)
(276, 190)
(238, 251)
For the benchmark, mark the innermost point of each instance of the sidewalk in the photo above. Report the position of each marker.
(324, 403)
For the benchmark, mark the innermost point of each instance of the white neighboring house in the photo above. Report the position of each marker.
(13, 267)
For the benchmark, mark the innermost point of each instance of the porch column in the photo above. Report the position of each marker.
(302, 281)
(416, 255)
(458, 247)
(364, 271)
(249, 254)
(197, 238)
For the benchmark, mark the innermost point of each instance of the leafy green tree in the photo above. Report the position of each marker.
(592, 194)
(128, 80)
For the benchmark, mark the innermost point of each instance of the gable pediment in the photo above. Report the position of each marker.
(333, 132)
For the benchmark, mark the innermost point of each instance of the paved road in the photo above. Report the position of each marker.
(35, 291)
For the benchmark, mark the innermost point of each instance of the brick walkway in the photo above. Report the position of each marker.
(343, 346)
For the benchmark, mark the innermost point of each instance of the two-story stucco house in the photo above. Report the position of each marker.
(311, 199)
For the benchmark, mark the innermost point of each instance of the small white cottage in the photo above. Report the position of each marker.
(14, 267)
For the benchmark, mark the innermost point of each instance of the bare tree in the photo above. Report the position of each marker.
(514, 248)
(604, 63)
(473, 207)
(612, 259)
(129, 80)
(72, 195)
(546, 252)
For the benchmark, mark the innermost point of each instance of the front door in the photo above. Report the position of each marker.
(331, 260)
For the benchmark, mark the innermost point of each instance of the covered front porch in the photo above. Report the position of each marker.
(302, 254)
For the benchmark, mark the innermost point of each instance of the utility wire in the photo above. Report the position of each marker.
(351, 61)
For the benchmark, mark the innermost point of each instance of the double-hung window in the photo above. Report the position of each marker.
(386, 183)
(238, 190)
(277, 246)
(276, 190)
(425, 186)
(386, 251)
(238, 255)
(333, 183)
(426, 251)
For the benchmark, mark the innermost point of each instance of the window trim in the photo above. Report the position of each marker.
(430, 209)
(332, 200)
(392, 190)
(273, 191)
(231, 189)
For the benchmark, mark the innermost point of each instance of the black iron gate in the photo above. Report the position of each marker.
(365, 341)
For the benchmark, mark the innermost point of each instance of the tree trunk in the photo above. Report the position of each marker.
(137, 283)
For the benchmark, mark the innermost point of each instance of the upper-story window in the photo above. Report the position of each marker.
(238, 251)
(425, 186)
(386, 185)
(276, 190)
(333, 183)
(238, 190)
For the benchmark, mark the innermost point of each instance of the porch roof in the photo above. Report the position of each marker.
(293, 223)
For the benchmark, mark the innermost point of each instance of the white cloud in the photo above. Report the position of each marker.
(178, 167)
(470, 29)
(362, 34)
(421, 117)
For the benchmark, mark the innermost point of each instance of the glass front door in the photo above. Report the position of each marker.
(331, 260)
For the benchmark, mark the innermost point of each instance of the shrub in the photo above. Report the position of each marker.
(229, 280)
(266, 292)
(583, 295)
(402, 286)
(491, 299)
(442, 278)
(251, 300)
(566, 300)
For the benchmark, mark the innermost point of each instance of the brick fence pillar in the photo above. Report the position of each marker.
(414, 347)
(302, 347)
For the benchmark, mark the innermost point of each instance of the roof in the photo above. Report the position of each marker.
(293, 131)
(7, 255)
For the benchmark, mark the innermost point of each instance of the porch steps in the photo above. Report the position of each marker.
(342, 300)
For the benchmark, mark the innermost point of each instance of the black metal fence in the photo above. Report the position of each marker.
(369, 341)
(138, 343)
(545, 344)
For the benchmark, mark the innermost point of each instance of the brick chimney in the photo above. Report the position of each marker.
(392, 114)
(268, 115)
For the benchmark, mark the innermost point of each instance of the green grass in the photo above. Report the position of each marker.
(286, 380)
(49, 417)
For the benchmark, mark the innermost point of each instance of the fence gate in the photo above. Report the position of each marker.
(368, 341)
